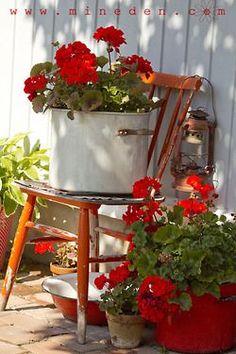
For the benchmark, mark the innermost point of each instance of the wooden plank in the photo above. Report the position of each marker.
(85, 22)
(116, 234)
(21, 54)
(42, 50)
(176, 26)
(7, 43)
(130, 13)
(52, 231)
(223, 79)
(107, 259)
(64, 28)
(152, 31)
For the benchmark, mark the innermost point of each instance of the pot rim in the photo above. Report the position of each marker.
(102, 112)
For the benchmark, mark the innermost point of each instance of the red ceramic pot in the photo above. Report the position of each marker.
(68, 307)
(63, 289)
(209, 326)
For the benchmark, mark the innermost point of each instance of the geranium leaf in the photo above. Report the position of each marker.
(184, 300)
(167, 234)
(101, 61)
(91, 100)
(38, 103)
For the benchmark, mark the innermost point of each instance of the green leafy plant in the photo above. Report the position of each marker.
(78, 81)
(121, 286)
(187, 249)
(19, 161)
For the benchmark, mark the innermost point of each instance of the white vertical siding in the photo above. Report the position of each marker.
(176, 43)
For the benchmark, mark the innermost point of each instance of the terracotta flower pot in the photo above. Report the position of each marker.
(57, 270)
(209, 326)
(125, 330)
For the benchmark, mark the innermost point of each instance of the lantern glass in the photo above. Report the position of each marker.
(192, 150)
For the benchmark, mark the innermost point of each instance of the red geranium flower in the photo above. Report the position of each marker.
(120, 273)
(77, 65)
(137, 64)
(143, 187)
(192, 206)
(73, 50)
(153, 296)
(35, 84)
(194, 181)
(203, 189)
(41, 248)
(113, 36)
(101, 281)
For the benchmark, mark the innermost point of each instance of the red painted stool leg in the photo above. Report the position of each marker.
(83, 274)
(94, 237)
(16, 251)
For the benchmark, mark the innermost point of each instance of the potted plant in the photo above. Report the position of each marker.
(107, 133)
(119, 301)
(17, 161)
(185, 257)
(65, 256)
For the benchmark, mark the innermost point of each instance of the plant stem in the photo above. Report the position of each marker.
(109, 57)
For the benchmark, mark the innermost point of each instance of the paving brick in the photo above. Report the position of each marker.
(70, 341)
(18, 335)
(40, 298)
(10, 349)
(16, 301)
(24, 321)
(48, 347)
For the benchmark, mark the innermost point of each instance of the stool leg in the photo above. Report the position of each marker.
(94, 237)
(83, 274)
(16, 251)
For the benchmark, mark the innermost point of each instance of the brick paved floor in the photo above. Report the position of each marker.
(32, 324)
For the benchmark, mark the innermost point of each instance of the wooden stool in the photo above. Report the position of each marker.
(88, 238)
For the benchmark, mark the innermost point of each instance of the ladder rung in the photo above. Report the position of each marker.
(45, 239)
(117, 234)
(104, 259)
(52, 231)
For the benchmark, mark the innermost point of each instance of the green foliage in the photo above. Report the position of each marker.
(121, 299)
(197, 253)
(19, 161)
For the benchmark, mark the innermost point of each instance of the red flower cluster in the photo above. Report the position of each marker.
(143, 187)
(116, 275)
(203, 189)
(142, 212)
(137, 64)
(113, 36)
(77, 65)
(42, 248)
(34, 84)
(153, 296)
(192, 206)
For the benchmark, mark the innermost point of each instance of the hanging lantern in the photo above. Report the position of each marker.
(194, 150)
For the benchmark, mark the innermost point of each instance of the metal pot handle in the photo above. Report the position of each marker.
(125, 132)
(228, 298)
